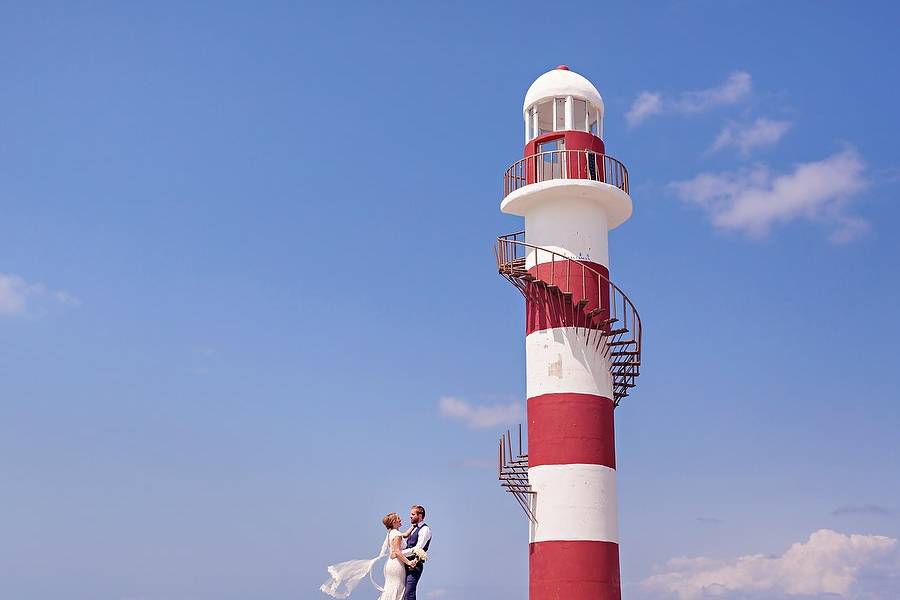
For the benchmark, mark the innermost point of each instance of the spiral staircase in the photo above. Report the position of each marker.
(612, 328)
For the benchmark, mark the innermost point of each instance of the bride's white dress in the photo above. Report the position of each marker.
(394, 571)
(345, 576)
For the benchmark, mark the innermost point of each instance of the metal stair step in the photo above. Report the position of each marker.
(625, 373)
(522, 489)
(604, 323)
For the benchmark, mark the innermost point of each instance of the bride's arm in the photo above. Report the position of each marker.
(396, 553)
(408, 532)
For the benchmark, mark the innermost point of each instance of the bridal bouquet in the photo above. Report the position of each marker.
(420, 554)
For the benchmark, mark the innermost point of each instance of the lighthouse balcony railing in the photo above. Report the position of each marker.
(565, 164)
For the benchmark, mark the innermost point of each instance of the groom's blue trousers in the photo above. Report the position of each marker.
(412, 580)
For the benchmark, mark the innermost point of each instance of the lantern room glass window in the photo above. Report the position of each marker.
(579, 116)
(552, 114)
(559, 122)
(545, 117)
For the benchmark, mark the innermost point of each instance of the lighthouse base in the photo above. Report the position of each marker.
(574, 571)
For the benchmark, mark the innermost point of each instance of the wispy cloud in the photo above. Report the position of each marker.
(18, 297)
(478, 417)
(827, 563)
(862, 509)
(747, 136)
(737, 87)
(751, 201)
(709, 520)
(645, 105)
(203, 351)
(734, 89)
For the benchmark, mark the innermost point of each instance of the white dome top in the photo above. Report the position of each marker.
(562, 82)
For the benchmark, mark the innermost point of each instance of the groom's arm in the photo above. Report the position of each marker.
(424, 536)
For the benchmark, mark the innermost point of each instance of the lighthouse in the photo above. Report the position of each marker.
(582, 339)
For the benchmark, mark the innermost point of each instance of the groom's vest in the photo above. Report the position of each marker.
(414, 539)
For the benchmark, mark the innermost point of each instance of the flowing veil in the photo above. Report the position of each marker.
(346, 576)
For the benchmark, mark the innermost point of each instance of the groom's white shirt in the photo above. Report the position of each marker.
(424, 536)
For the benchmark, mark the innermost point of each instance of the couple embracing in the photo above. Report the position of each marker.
(406, 552)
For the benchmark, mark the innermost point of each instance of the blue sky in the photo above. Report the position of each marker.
(245, 251)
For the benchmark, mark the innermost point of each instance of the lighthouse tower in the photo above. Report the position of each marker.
(582, 343)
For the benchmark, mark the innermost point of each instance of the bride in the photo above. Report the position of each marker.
(346, 575)
(394, 571)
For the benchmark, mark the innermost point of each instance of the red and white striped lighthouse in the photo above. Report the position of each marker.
(583, 338)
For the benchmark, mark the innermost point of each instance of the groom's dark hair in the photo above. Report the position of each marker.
(418, 509)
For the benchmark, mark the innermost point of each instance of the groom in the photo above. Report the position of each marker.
(419, 538)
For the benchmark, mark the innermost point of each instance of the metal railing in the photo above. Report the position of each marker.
(565, 164)
(579, 295)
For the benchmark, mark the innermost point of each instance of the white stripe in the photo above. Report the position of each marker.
(559, 360)
(572, 226)
(574, 503)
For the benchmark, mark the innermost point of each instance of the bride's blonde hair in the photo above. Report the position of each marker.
(389, 519)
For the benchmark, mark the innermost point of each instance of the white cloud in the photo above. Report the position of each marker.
(16, 295)
(646, 104)
(753, 200)
(13, 295)
(827, 563)
(747, 136)
(479, 417)
(734, 89)
(737, 87)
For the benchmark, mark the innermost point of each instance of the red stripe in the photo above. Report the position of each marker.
(571, 429)
(574, 571)
(546, 308)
